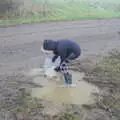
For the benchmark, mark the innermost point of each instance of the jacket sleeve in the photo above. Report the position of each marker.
(54, 58)
(72, 56)
(63, 54)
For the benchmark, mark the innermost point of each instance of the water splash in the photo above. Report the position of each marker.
(81, 94)
(51, 90)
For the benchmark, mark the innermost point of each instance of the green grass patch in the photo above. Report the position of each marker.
(63, 12)
(66, 116)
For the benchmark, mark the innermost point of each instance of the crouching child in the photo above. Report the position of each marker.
(67, 50)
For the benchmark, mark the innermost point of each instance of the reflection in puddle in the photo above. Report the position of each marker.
(81, 94)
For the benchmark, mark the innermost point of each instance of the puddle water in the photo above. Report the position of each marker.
(81, 94)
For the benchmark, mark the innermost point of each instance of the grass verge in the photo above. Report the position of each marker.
(62, 12)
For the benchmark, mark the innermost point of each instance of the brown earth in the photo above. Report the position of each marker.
(20, 51)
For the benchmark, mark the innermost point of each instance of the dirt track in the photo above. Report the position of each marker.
(20, 45)
(20, 50)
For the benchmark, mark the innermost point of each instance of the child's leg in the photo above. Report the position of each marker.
(65, 70)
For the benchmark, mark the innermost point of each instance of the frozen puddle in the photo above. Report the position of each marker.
(81, 94)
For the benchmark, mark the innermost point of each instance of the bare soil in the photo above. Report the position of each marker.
(20, 51)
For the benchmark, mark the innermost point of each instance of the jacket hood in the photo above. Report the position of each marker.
(49, 45)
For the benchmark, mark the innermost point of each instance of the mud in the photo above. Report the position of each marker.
(52, 90)
(20, 52)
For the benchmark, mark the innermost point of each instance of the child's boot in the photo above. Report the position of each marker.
(68, 80)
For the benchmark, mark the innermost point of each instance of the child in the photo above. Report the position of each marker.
(68, 50)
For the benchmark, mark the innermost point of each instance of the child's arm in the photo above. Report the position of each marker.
(66, 57)
(63, 54)
(54, 58)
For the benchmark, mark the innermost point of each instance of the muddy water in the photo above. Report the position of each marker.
(51, 90)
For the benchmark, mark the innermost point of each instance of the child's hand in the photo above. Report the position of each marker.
(67, 60)
(57, 69)
(54, 58)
